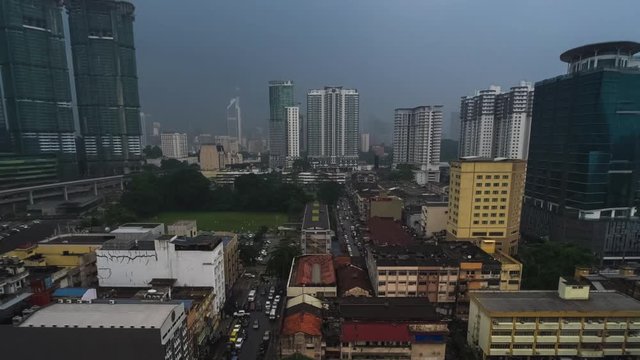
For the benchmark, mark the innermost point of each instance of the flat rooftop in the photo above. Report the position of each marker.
(386, 231)
(316, 216)
(531, 303)
(136, 227)
(79, 239)
(184, 223)
(105, 315)
(444, 254)
(386, 309)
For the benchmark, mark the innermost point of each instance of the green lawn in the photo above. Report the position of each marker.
(225, 221)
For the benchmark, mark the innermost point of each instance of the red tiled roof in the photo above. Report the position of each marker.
(351, 276)
(306, 264)
(352, 332)
(386, 231)
(302, 322)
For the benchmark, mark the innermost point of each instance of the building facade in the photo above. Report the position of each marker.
(187, 228)
(293, 134)
(211, 157)
(28, 170)
(512, 122)
(197, 261)
(582, 180)
(417, 133)
(572, 323)
(333, 126)
(485, 201)
(120, 331)
(495, 123)
(434, 218)
(35, 91)
(280, 97)
(106, 79)
(174, 145)
(234, 119)
(365, 142)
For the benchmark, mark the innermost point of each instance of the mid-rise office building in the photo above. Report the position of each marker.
(417, 133)
(211, 157)
(572, 323)
(106, 79)
(485, 201)
(582, 180)
(280, 97)
(35, 91)
(174, 145)
(109, 330)
(333, 123)
(293, 134)
(495, 123)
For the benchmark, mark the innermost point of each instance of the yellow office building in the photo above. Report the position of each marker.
(485, 201)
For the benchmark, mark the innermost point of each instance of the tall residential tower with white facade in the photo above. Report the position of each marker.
(293, 134)
(417, 133)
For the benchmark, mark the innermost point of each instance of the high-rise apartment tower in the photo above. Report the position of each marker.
(280, 97)
(417, 133)
(333, 116)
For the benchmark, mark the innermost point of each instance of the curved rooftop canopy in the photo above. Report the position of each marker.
(620, 47)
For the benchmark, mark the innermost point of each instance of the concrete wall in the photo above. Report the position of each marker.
(434, 219)
(136, 268)
(386, 207)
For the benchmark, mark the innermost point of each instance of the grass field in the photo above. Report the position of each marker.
(225, 221)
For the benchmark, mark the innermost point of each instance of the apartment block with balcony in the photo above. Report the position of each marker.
(572, 323)
(444, 273)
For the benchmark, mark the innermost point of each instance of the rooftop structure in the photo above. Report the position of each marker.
(78, 239)
(312, 274)
(302, 323)
(316, 216)
(353, 281)
(397, 309)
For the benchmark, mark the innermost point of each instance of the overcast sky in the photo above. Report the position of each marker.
(193, 55)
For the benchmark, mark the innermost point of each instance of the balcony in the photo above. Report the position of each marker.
(571, 325)
(594, 325)
(591, 339)
(502, 325)
(632, 351)
(568, 338)
(523, 339)
(633, 339)
(500, 339)
(616, 325)
(545, 352)
(591, 353)
(525, 325)
(567, 352)
(522, 352)
(614, 339)
(634, 325)
(609, 352)
(499, 352)
(546, 339)
(548, 325)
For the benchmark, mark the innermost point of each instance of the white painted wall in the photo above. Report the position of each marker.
(136, 268)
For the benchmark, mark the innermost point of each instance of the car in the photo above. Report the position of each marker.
(263, 253)
(277, 298)
(239, 342)
(236, 327)
(267, 304)
(260, 259)
(256, 324)
(266, 336)
(36, 221)
(249, 275)
(270, 297)
(241, 313)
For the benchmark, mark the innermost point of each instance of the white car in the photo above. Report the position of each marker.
(249, 275)
(239, 342)
(277, 298)
(241, 313)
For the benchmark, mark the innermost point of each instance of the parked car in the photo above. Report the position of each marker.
(239, 343)
(277, 298)
(266, 336)
(256, 324)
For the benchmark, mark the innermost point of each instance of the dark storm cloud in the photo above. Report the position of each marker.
(193, 55)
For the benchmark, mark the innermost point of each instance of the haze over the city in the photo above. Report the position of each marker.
(193, 56)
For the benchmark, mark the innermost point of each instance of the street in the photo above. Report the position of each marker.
(345, 231)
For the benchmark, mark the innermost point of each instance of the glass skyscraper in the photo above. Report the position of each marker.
(106, 81)
(280, 97)
(583, 177)
(35, 92)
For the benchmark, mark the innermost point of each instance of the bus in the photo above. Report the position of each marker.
(252, 295)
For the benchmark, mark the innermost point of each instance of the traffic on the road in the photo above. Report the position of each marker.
(348, 229)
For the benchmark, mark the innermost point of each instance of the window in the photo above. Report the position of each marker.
(485, 215)
(479, 184)
(485, 222)
(505, 176)
(487, 192)
(477, 199)
(478, 192)
(382, 283)
(503, 199)
(503, 192)
(496, 184)
(494, 199)
(496, 192)
(502, 207)
(476, 215)
(487, 184)
(479, 177)
(477, 207)
(505, 184)
(478, 233)
(496, 233)
(475, 222)
(496, 176)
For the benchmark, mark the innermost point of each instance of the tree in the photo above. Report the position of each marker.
(247, 254)
(543, 263)
(281, 258)
(301, 164)
(403, 172)
(152, 152)
(144, 196)
(116, 214)
(186, 189)
(329, 192)
(173, 164)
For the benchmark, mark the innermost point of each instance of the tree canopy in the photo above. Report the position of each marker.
(543, 263)
(152, 152)
(330, 192)
(279, 263)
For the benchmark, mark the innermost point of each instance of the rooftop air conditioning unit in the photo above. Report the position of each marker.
(112, 302)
